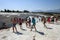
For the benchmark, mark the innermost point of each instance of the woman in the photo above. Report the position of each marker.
(26, 22)
(48, 19)
(20, 23)
(29, 22)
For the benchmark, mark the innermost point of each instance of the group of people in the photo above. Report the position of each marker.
(52, 19)
(30, 22)
(16, 20)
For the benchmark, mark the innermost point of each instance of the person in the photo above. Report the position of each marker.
(29, 22)
(44, 22)
(34, 23)
(56, 19)
(33, 37)
(52, 19)
(14, 22)
(20, 23)
(26, 22)
(40, 19)
(37, 19)
(4, 25)
(48, 19)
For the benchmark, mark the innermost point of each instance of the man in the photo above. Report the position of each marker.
(34, 23)
(14, 22)
(44, 21)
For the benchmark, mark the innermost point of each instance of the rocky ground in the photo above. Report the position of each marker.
(42, 33)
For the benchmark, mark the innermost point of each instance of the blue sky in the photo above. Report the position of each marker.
(30, 4)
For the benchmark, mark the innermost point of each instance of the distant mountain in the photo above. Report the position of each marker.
(37, 11)
(56, 10)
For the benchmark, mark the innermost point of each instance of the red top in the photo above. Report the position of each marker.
(48, 19)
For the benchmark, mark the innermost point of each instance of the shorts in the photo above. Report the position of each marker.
(14, 25)
(20, 23)
(52, 20)
(44, 22)
(34, 24)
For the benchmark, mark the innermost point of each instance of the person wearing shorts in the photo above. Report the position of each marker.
(29, 22)
(44, 22)
(20, 23)
(14, 22)
(14, 25)
(34, 23)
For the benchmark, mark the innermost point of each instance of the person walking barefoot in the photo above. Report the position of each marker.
(29, 22)
(20, 23)
(44, 22)
(14, 22)
(34, 24)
